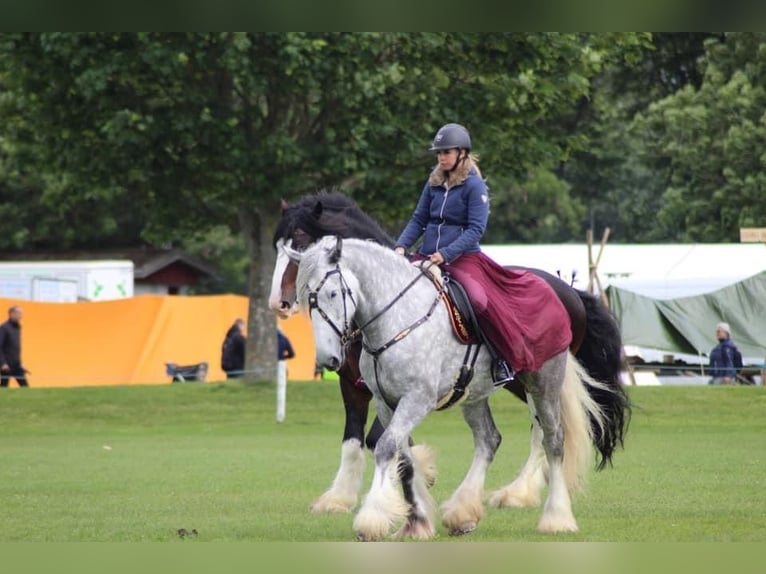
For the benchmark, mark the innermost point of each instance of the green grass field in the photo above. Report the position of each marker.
(138, 463)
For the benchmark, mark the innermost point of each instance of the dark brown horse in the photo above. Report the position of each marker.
(596, 342)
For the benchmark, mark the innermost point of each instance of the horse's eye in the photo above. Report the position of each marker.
(333, 294)
(301, 240)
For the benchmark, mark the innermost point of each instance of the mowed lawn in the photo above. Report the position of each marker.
(139, 463)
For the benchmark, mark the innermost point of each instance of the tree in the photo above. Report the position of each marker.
(608, 174)
(707, 142)
(198, 129)
(191, 131)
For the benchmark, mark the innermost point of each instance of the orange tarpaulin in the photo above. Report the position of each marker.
(128, 341)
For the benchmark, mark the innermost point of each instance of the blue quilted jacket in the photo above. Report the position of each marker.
(450, 221)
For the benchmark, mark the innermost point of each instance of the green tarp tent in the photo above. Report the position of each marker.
(687, 324)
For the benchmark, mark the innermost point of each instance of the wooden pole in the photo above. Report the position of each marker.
(589, 241)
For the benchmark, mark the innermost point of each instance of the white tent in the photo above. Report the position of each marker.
(661, 271)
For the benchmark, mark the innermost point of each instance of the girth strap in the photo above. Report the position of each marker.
(458, 391)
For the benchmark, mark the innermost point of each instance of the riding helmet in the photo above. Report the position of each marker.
(451, 136)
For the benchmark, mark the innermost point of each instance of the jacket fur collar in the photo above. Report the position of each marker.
(456, 177)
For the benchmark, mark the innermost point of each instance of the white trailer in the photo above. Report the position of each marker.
(66, 281)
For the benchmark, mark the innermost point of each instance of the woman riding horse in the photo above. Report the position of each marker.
(513, 307)
(357, 287)
(596, 341)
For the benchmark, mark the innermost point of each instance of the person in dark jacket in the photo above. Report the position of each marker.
(722, 369)
(518, 312)
(233, 350)
(10, 350)
(284, 347)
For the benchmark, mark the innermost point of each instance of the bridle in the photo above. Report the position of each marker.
(347, 334)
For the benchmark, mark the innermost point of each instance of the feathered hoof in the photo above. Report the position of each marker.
(557, 524)
(462, 513)
(417, 528)
(366, 537)
(330, 503)
(424, 461)
(371, 526)
(463, 529)
(513, 498)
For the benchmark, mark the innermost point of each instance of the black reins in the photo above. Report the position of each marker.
(347, 334)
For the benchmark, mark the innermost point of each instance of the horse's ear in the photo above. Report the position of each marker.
(335, 255)
(283, 205)
(317, 211)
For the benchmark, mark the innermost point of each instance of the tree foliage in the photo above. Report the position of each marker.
(707, 143)
(188, 131)
(188, 138)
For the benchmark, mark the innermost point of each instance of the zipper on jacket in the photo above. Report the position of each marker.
(441, 216)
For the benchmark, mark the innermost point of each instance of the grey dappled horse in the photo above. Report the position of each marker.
(410, 362)
(596, 343)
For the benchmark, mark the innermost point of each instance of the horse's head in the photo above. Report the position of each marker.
(303, 223)
(296, 229)
(327, 291)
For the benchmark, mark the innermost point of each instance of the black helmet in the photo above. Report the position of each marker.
(451, 136)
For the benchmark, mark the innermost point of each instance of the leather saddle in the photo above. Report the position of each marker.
(465, 325)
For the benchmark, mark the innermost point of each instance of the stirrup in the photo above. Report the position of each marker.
(502, 372)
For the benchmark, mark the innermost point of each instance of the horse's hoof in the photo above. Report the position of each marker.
(417, 529)
(464, 529)
(331, 505)
(366, 537)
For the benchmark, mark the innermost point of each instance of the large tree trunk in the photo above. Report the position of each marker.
(261, 354)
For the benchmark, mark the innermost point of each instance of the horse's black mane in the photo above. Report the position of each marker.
(330, 213)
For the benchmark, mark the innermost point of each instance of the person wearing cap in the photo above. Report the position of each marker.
(721, 364)
(518, 312)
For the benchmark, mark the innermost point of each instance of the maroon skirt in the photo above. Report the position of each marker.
(519, 312)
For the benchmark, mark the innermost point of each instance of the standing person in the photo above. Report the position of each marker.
(519, 313)
(723, 367)
(233, 350)
(10, 349)
(284, 347)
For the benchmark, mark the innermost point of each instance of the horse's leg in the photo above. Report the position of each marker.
(415, 487)
(342, 494)
(463, 510)
(422, 455)
(384, 505)
(558, 394)
(526, 488)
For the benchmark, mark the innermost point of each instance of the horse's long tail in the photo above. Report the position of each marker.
(601, 356)
(580, 415)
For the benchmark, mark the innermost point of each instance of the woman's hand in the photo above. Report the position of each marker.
(400, 251)
(436, 258)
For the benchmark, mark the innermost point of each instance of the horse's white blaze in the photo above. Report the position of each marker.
(275, 297)
(342, 495)
(329, 352)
